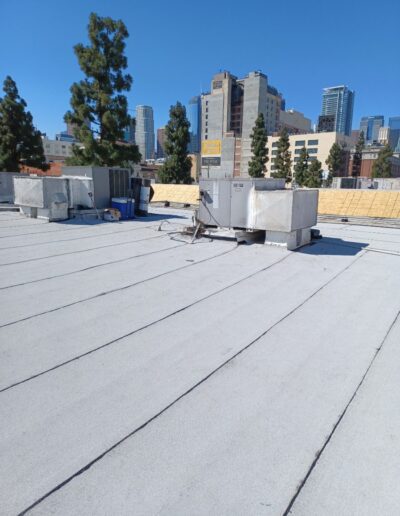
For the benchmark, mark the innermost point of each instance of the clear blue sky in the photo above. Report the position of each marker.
(175, 46)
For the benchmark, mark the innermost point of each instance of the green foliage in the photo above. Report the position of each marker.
(336, 161)
(382, 166)
(283, 162)
(301, 167)
(178, 164)
(313, 177)
(99, 107)
(259, 148)
(357, 156)
(20, 142)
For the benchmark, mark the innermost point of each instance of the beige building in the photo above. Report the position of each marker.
(318, 146)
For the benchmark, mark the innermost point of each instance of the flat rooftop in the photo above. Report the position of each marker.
(144, 375)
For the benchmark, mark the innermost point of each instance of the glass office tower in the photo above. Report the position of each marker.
(394, 138)
(339, 101)
(370, 126)
(194, 117)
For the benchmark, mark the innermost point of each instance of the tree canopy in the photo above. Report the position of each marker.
(336, 161)
(313, 177)
(357, 156)
(283, 161)
(259, 148)
(178, 164)
(382, 166)
(99, 111)
(20, 142)
(301, 167)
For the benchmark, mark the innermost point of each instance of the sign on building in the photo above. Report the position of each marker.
(211, 148)
(211, 161)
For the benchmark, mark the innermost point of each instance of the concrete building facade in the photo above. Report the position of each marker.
(294, 122)
(228, 115)
(144, 131)
(318, 146)
(57, 150)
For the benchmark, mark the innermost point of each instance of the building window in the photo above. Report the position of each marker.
(274, 152)
(312, 158)
(297, 151)
(312, 151)
(273, 167)
(300, 143)
(206, 117)
(275, 144)
(313, 142)
(296, 159)
(206, 137)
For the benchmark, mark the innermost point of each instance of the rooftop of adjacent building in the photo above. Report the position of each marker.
(205, 378)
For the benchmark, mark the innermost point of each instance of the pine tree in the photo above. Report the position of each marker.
(178, 164)
(301, 167)
(314, 175)
(20, 142)
(99, 107)
(283, 162)
(382, 166)
(336, 161)
(259, 148)
(357, 156)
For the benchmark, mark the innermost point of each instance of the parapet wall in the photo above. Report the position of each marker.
(357, 203)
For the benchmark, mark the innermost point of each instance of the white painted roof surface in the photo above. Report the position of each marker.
(143, 375)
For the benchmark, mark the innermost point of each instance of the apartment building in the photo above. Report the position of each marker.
(318, 146)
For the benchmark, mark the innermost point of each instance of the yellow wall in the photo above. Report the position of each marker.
(358, 203)
(176, 193)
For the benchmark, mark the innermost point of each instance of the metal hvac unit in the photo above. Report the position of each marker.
(42, 197)
(285, 215)
(107, 182)
(225, 202)
(119, 182)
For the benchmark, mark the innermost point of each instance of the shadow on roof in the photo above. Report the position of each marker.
(154, 217)
(333, 246)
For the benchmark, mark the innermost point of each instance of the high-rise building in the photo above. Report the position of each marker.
(338, 101)
(394, 126)
(144, 131)
(129, 132)
(194, 117)
(228, 115)
(160, 142)
(370, 126)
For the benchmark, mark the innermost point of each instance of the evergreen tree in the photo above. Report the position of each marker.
(178, 164)
(382, 166)
(99, 107)
(336, 161)
(357, 156)
(301, 167)
(283, 162)
(20, 142)
(313, 177)
(259, 148)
